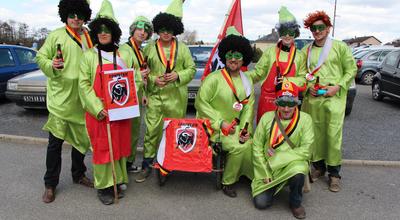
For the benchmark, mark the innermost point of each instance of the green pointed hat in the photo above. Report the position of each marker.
(231, 30)
(106, 11)
(285, 16)
(175, 8)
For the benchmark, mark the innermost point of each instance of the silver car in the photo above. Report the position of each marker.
(28, 90)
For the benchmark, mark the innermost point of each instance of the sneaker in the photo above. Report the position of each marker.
(133, 169)
(229, 190)
(141, 177)
(316, 174)
(334, 184)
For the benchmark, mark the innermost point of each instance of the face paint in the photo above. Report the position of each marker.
(104, 29)
(230, 55)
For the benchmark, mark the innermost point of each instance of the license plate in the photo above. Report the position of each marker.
(192, 95)
(34, 98)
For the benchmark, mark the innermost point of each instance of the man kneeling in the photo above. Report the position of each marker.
(280, 160)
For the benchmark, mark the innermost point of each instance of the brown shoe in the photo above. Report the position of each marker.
(299, 212)
(334, 184)
(49, 195)
(316, 174)
(85, 182)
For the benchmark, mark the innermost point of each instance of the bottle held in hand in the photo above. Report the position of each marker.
(226, 131)
(59, 56)
(243, 133)
(318, 88)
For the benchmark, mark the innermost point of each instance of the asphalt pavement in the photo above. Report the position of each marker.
(369, 192)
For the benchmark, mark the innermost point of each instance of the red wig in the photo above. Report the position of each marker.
(316, 16)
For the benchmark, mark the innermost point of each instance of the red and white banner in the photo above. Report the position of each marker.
(120, 94)
(234, 18)
(184, 146)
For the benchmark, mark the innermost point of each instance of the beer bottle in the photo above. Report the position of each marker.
(59, 56)
(243, 133)
(316, 85)
(144, 64)
(168, 69)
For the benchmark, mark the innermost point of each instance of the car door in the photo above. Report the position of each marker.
(8, 67)
(388, 71)
(26, 59)
(396, 78)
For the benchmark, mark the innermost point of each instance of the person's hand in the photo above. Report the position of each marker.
(102, 114)
(331, 90)
(145, 74)
(57, 64)
(171, 77)
(145, 101)
(312, 91)
(244, 138)
(267, 180)
(160, 82)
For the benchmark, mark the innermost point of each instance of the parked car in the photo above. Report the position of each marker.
(386, 81)
(200, 55)
(28, 90)
(367, 64)
(14, 61)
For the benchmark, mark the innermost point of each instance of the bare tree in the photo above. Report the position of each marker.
(188, 37)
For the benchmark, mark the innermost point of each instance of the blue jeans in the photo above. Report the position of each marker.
(295, 183)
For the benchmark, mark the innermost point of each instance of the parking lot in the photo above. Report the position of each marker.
(371, 131)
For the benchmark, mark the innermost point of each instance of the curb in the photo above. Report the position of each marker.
(44, 141)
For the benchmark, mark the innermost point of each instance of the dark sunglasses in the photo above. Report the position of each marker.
(230, 55)
(143, 25)
(284, 103)
(165, 30)
(318, 27)
(73, 16)
(104, 29)
(284, 32)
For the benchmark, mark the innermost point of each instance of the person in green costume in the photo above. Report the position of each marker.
(140, 31)
(227, 94)
(105, 32)
(171, 69)
(66, 116)
(281, 60)
(331, 62)
(276, 162)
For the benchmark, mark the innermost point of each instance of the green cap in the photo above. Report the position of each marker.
(106, 11)
(285, 16)
(175, 8)
(232, 31)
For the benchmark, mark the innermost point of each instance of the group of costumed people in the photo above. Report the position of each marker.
(276, 154)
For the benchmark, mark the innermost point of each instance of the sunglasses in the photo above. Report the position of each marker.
(104, 29)
(318, 27)
(289, 32)
(165, 30)
(73, 16)
(284, 103)
(143, 25)
(230, 55)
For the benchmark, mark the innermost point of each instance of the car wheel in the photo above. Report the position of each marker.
(377, 91)
(367, 78)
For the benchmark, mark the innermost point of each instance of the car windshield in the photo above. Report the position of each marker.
(361, 54)
(200, 55)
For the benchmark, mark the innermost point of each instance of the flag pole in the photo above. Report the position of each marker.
(112, 160)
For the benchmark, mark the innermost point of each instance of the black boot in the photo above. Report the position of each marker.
(229, 191)
(106, 196)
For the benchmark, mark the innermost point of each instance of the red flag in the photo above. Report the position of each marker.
(234, 18)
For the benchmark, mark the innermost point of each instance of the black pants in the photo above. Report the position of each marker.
(332, 170)
(53, 162)
(264, 199)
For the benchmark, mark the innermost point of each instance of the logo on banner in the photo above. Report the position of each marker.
(186, 138)
(119, 90)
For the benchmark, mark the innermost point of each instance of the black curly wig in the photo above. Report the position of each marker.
(168, 21)
(236, 43)
(94, 27)
(81, 7)
(289, 25)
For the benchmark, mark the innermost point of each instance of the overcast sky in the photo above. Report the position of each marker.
(354, 17)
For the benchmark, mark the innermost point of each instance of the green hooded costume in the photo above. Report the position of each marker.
(66, 115)
(215, 101)
(328, 113)
(286, 162)
(134, 57)
(169, 101)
